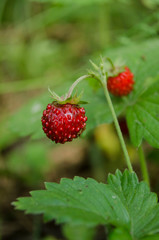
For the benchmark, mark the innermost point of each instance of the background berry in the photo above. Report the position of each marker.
(122, 84)
(63, 122)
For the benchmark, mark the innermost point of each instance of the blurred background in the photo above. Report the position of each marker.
(48, 43)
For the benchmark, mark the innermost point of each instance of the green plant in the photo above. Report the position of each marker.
(49, 44)
(123, 202)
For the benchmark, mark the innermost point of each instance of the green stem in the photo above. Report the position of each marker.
(75, 84)
(103, 82)
(143, 165)
(117, 127)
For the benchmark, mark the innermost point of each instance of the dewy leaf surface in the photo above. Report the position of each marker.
(123, 202)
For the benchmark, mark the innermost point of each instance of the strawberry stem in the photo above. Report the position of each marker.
(68, 95)
(143, 165)
(122, 142)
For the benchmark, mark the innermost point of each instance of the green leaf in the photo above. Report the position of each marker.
(123, 202)
(143, 118)
(153, 237)
(119, 234)
(141, 106)
(97, 110)
(27, 121)
(122, 234)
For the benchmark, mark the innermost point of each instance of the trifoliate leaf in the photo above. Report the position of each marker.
(123, 202)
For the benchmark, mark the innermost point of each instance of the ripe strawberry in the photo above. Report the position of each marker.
(122, 84)
(63, 122)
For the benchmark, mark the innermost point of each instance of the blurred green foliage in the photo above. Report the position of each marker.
(48, 43)
(29, 160)
(78, 232)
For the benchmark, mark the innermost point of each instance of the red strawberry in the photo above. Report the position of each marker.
(63, 122)
(122, 84)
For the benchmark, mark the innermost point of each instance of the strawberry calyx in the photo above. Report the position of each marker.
(68, 97)
(114, 69)
(107, 67)
(75, 99)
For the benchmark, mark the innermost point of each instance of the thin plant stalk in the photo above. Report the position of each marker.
(75, 84)
(103, 81)
(122, 142)
(143, 165)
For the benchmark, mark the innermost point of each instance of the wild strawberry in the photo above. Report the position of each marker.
(121, 84)
(63, 122)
